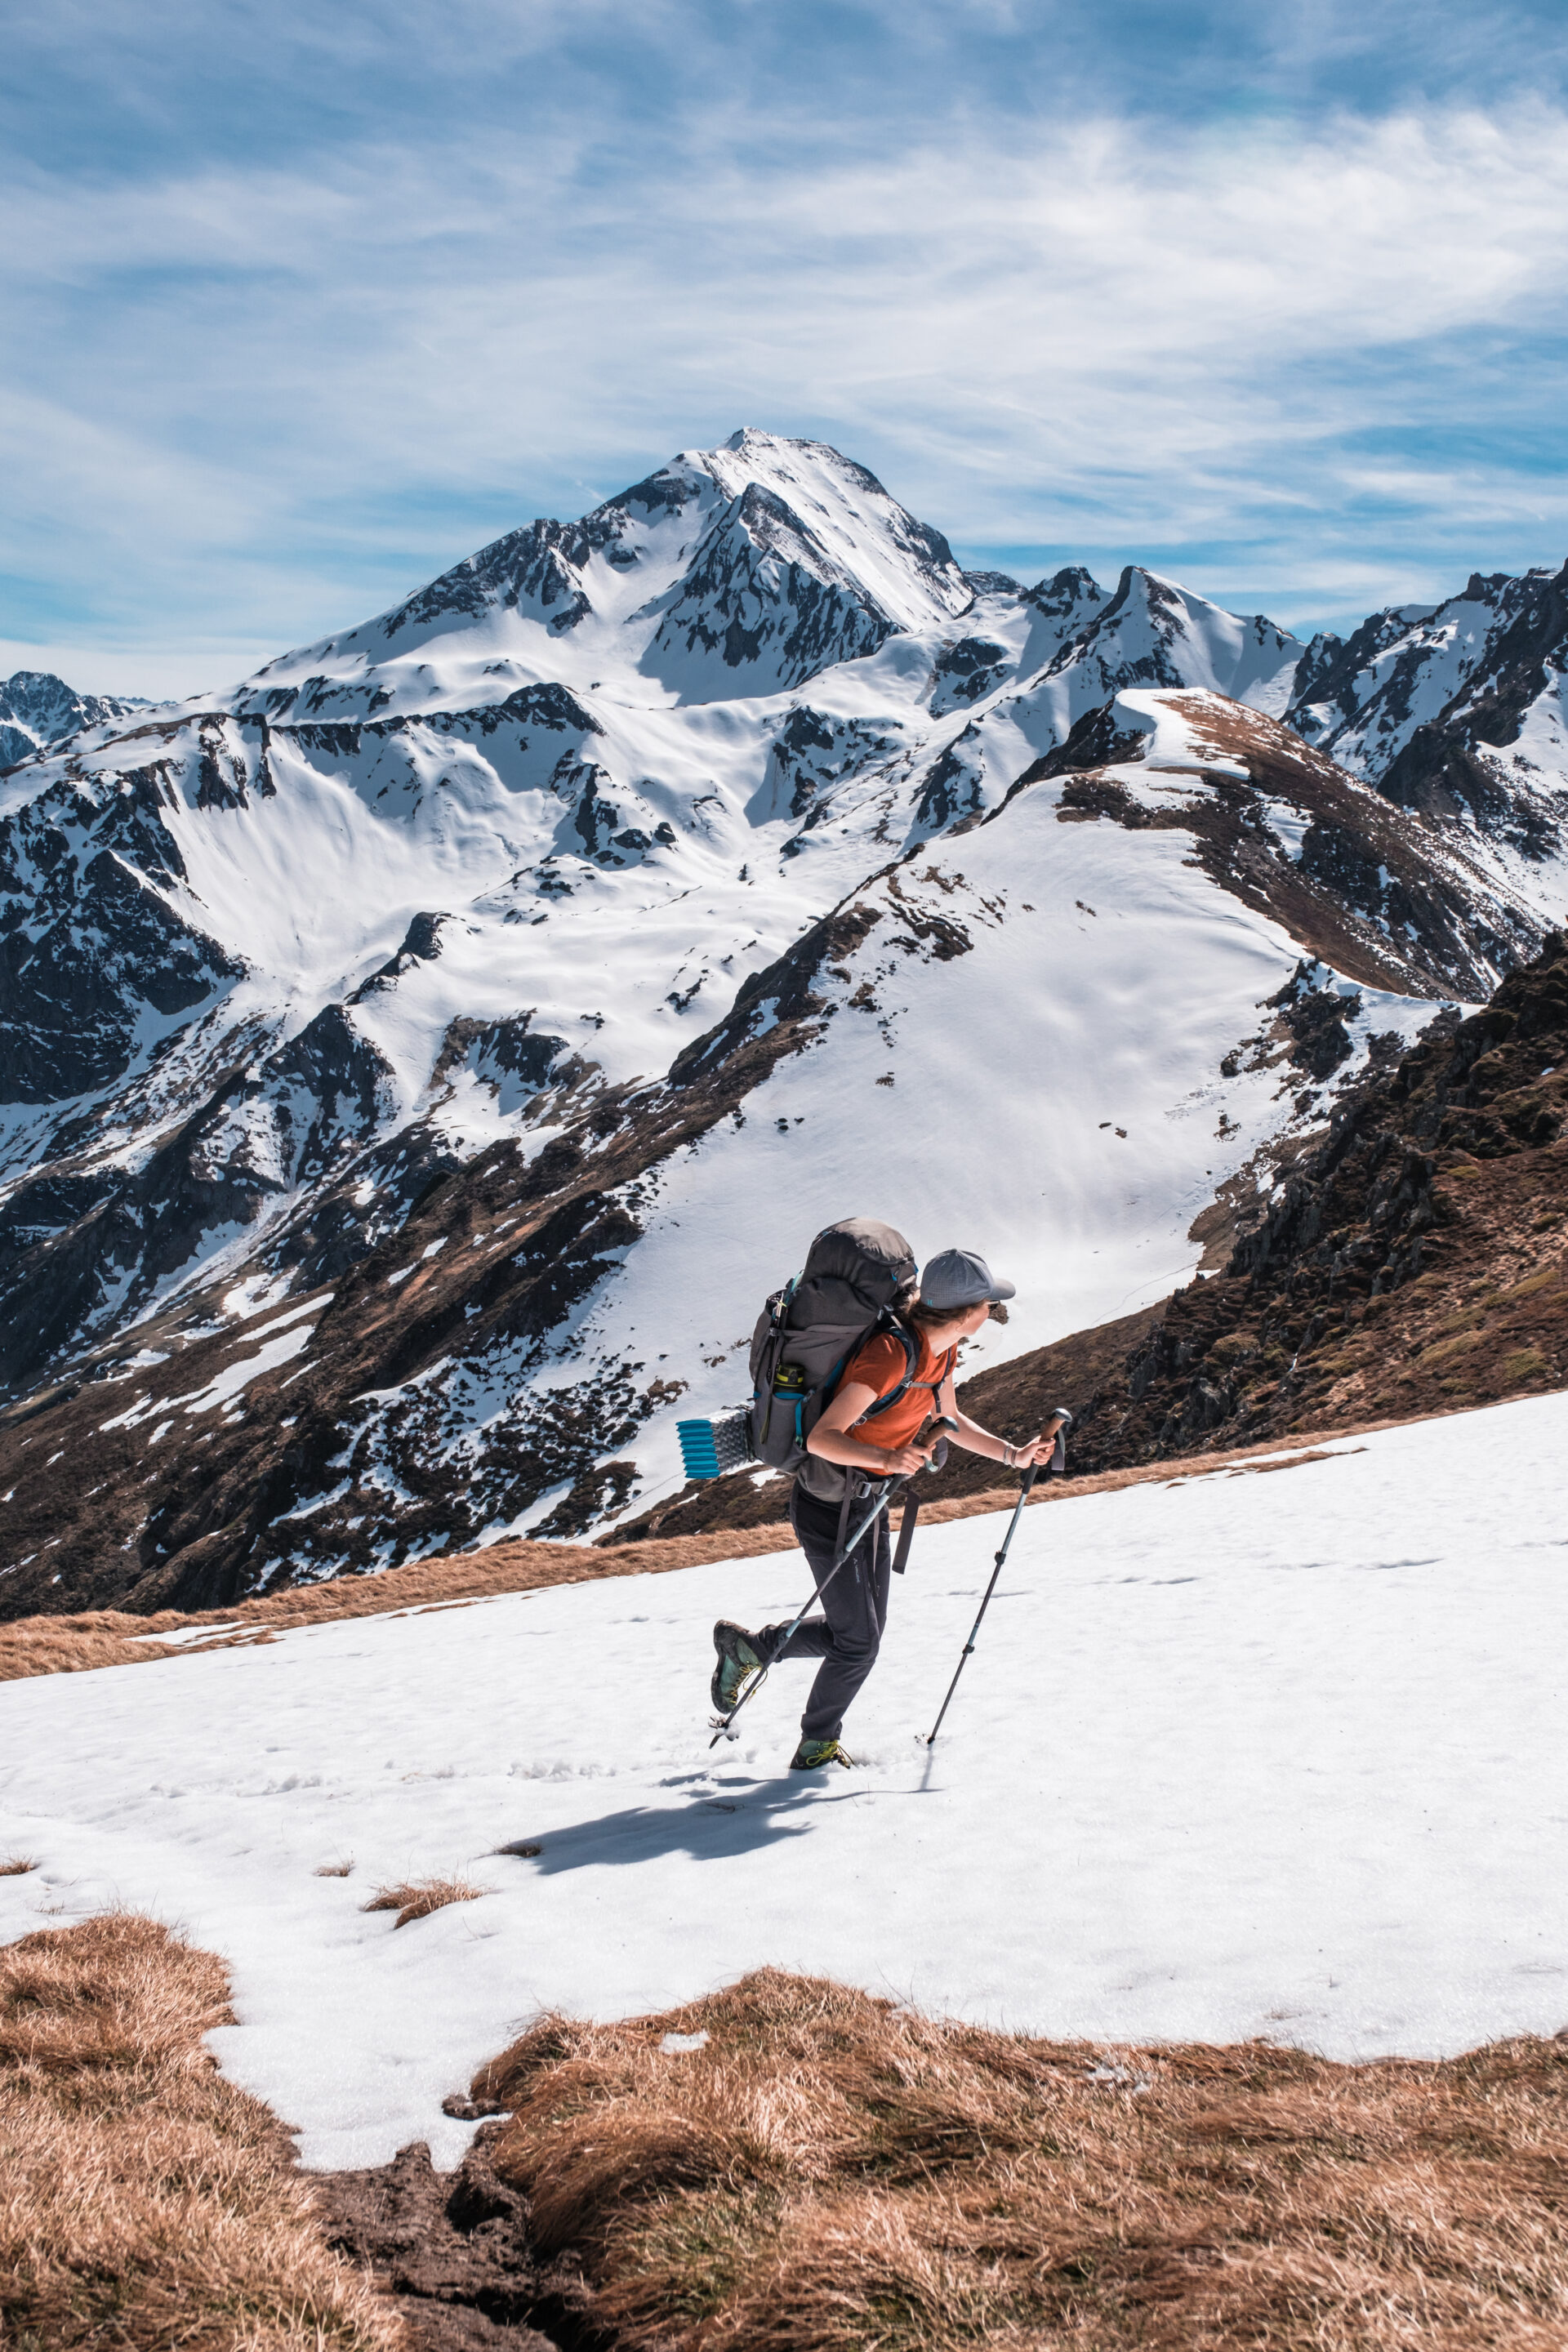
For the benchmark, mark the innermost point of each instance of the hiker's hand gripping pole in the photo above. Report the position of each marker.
(935, 1424)
(1055, 1435)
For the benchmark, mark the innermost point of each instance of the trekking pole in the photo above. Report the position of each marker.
(1057, 1427)
(934, 1422)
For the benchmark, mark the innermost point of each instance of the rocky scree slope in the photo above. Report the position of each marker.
(361, 979)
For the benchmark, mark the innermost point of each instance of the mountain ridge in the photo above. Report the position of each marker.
(552, 884)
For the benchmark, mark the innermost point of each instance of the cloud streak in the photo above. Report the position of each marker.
(1311, 359)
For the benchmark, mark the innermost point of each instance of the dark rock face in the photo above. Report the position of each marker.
(1067, 594)
(953, 787)
(37, 708)
(537, 569)
(813, 754)
(509, 1050)
(1326, 690)
(88, 947)
(1496, 647)
(1316, 1018)
(966, 672)
(765, 591)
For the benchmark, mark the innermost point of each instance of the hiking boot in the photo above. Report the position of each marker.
(812, 1754)
(737, 1666)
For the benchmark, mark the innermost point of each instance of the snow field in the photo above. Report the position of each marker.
(1252, 1753)
(1057, 1102)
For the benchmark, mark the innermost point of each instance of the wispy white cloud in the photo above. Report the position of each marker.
(1314, 359)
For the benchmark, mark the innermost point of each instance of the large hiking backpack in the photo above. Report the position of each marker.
(808, 1330)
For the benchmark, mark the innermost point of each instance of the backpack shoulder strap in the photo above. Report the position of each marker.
(890, 1324)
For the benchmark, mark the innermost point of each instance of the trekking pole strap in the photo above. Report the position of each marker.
(906, 1533)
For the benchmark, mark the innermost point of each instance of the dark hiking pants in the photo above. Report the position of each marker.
(846, 1636)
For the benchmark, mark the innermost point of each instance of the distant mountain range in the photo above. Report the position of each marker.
(419, 1060)
(38, 709)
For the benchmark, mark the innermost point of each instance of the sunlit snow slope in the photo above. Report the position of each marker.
(1262, 1755)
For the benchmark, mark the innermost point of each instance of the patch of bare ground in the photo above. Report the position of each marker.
(419, 1897)
(146, 2204)
(827, 2173)
(450, 2253)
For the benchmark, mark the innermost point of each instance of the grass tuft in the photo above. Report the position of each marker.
(420, 1897)
(830, 2174)
(16, 1865)
(146, 2202)
(334, 1870)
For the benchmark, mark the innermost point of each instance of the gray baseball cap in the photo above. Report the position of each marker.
(958, 1278)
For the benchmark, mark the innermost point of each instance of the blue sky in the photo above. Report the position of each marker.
(302, 304)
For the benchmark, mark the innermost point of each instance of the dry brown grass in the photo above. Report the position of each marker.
(419, 1897)
(103, 1637)
(16, 1865)
(66, 1645)
(146, 2204)
(830, 2174)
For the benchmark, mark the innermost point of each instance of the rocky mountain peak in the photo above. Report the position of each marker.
(728, 573)
(37, 709)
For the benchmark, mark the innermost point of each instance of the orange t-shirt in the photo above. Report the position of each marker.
(879, 1365)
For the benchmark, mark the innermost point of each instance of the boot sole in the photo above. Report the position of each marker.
(723, 1706)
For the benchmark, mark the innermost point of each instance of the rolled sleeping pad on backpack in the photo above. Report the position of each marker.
(708, 1448)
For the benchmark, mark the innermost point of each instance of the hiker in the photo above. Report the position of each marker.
(851, 1449)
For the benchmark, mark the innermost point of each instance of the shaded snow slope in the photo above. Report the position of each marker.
(1272, 1755)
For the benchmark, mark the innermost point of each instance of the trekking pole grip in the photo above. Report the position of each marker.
(1053, 1434)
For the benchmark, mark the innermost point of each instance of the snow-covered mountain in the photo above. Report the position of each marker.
(463, 1007)
(37, 708)
(1457, 710)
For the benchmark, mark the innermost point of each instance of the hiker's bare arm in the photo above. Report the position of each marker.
(831, 1438)
(976, 1440)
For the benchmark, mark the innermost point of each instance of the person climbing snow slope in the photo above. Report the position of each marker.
(851, 1452)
